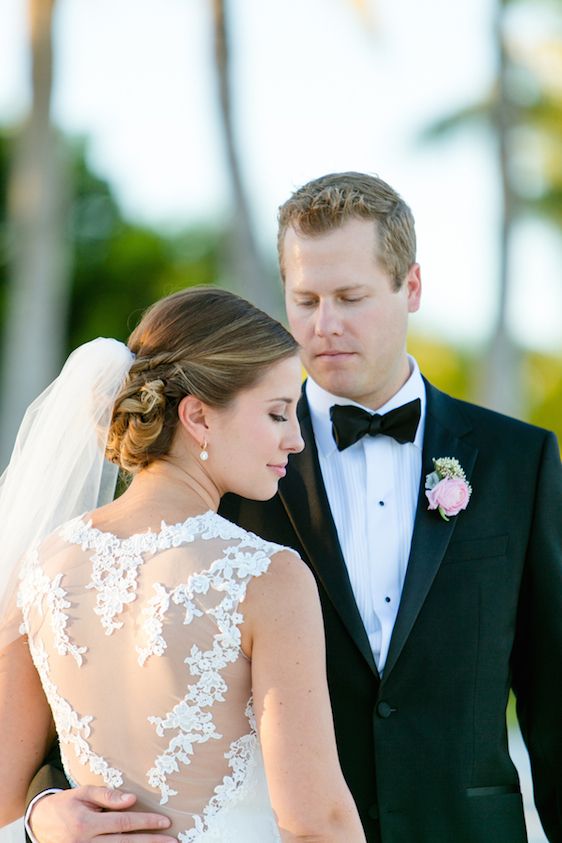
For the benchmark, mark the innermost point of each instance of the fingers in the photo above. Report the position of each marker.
(104, 797)
(91, 814)
(114, 822)
(136, 838)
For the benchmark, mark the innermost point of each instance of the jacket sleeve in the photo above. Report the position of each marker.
(50, 775)
(537, 654)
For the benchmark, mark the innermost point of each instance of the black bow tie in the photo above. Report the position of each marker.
(349, 424)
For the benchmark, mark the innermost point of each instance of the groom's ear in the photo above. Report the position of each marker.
(192, 416)
(413, 287)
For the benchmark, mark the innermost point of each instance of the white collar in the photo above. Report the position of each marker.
(320, 401)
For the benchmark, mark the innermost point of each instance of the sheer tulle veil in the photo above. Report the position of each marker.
(56, 470)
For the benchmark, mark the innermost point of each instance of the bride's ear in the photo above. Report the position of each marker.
(193, 417)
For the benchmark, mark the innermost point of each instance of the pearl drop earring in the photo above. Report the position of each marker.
(204, 455)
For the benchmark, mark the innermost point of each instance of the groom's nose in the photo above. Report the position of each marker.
(327, 321)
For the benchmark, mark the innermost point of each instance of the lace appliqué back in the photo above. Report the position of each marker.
(241, 759)
(114, 575)
(36, 587)
(190, 721)
(72, 729)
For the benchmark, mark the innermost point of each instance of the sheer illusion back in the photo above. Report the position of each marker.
(137, 642)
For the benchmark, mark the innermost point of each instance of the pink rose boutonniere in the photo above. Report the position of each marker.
(447, 488)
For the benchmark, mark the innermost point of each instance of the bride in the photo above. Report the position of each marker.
(178, 657)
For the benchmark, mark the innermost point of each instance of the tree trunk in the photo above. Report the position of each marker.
(502, 381)
(246, 271)
(39, 253)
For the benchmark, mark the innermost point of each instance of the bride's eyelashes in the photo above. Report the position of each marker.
(277, 417)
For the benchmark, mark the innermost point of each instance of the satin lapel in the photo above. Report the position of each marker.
(445, 425)
(304, 497)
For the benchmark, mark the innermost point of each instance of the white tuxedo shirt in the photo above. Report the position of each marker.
(372, 489)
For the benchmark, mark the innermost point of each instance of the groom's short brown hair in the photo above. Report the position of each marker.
(326, 203)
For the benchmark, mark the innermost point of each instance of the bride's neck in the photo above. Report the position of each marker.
(167, 490)
(171, 485)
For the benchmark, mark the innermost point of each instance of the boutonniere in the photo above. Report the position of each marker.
(447, 488)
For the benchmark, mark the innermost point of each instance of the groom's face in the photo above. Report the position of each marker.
(345, 313)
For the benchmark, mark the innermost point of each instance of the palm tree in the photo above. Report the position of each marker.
(251, 276)
(505, 113)
(39, 261)
(502, 387)
(249, 273)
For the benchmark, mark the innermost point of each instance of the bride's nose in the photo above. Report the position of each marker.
(294, 441)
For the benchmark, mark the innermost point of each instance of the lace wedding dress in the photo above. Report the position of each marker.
(137, 642)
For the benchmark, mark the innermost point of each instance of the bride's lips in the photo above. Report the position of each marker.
(280, 470)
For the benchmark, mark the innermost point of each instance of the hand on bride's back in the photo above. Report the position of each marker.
(90, 814)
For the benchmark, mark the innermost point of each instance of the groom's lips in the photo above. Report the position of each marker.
(334, 354)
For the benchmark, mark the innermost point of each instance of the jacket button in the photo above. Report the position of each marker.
(384, 710)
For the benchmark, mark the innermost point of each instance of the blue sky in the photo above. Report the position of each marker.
(316, 90)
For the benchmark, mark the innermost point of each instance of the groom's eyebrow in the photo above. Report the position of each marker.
(343, 289)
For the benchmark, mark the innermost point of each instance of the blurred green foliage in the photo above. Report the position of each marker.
(119, 267)
(522, 111)
(531, 87)
(4, 167)
(457, 371)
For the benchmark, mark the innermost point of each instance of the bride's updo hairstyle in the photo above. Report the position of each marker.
(201, 341)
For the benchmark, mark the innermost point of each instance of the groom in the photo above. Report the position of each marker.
(431, 614)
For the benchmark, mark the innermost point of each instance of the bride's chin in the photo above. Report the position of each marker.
(253, 494)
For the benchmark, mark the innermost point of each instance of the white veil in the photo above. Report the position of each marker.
(55, 470)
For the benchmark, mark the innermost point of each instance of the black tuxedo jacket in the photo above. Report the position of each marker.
(424, 747)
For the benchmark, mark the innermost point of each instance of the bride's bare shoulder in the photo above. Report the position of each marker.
(288, 582)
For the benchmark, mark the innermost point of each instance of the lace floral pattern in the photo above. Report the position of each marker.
(36, 587)
(72, 729)
(188, 721)
(116, 562)
(113, 574)
(241, 759)
(154, 614)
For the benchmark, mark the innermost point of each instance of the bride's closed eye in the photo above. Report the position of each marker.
(277, 417)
